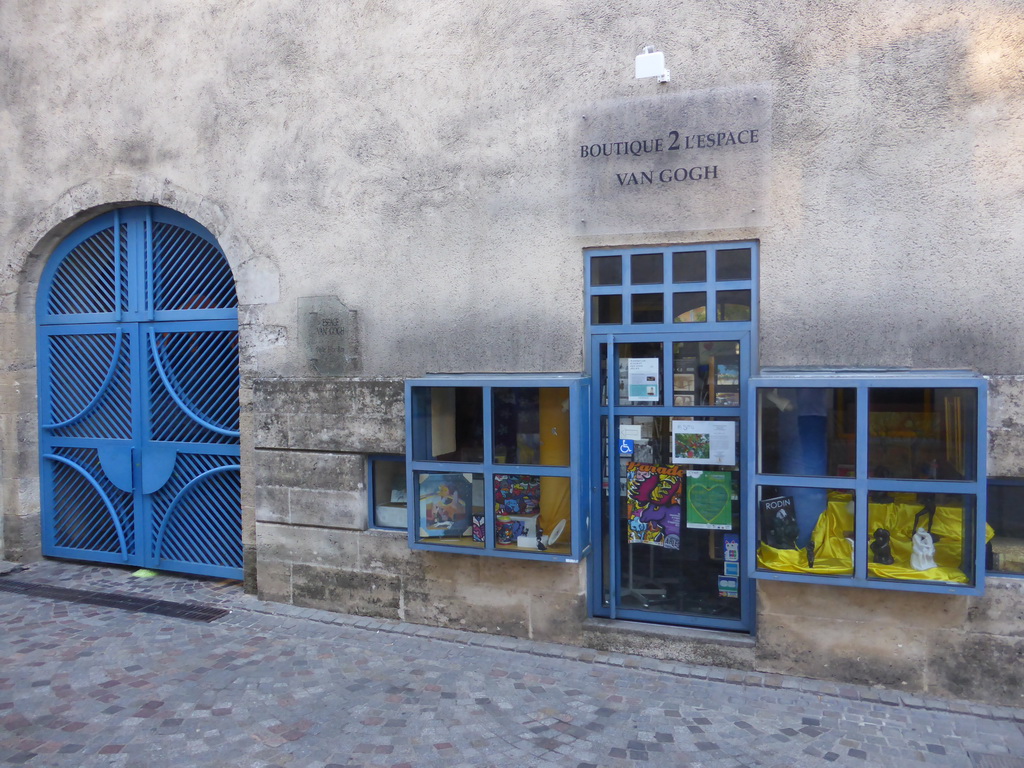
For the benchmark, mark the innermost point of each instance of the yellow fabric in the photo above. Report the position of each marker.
(834, 551)
(555, 492)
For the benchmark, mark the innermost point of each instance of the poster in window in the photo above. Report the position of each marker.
(446, 503)
(704, 442)
(643, 380)
(709, 500)
(654, 504)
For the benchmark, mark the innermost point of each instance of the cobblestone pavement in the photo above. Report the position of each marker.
(274, 685)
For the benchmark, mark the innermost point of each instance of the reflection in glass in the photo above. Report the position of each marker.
(533, 512)
(450, 508)
(930, 536)
(606, 310)
(456, 424)
(646, 269)
(690, 307)
(706, 373)
(679, 531)
(732, 264)
(922, 433)
(805, 530)
(389, 499)
(648, 307)
(1006, 517)
(606, 270)
(733, 306)
(689, 267)
(531, 425)
(808, 431)
(640, 373)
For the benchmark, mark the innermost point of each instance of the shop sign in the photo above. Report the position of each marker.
(695, 160)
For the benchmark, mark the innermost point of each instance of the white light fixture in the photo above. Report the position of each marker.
(651, 63)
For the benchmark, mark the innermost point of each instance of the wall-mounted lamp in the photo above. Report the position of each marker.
(651, 63)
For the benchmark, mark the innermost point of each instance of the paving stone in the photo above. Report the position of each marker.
(267, 684)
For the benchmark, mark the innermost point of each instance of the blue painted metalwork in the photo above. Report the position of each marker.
(138, 392)
(605, 574)
(418, 432)
(861, 484)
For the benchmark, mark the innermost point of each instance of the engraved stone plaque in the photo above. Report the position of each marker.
(690, 161)
(328, 334)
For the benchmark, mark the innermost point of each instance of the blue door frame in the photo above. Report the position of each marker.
(606, 562)
(138, 384)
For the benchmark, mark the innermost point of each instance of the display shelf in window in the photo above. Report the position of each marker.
(873, 479)
(388, 500)
(498, 466)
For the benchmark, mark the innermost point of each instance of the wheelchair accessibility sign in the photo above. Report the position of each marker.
(625, 447)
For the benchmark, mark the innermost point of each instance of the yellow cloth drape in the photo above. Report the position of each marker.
(834, 551)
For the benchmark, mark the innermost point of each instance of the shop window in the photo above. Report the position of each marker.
(1005, 552)
(388, 501)
(498, 465)
(870, 480)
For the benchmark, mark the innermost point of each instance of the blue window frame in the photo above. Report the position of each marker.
(387, 494)
(871, 479)
(496, 465)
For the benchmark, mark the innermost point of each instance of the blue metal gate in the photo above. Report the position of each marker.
(138, 396)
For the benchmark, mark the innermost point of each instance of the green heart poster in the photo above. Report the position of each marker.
(709, 500)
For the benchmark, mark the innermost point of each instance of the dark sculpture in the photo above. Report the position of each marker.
(881, 547)
(810, 554)
(783, 530)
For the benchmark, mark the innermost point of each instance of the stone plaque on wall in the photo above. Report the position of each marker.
(328, 334)
(677, 161)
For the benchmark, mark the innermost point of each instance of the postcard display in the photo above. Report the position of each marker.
(921, 482)
(497, 465)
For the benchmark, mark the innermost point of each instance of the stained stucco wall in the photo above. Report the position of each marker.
(415, 161)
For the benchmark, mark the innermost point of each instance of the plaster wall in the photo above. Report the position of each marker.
(414, 160)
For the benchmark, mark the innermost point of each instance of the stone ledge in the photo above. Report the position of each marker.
(715, 636)
(679, 644)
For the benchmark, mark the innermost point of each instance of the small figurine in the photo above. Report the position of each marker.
(923, 555)
(881, 547)
(810, 554)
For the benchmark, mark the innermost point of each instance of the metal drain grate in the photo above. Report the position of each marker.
(132, 603)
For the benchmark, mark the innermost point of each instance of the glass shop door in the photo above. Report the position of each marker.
(673, 472)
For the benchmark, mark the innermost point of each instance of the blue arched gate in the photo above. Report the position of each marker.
(138, 396)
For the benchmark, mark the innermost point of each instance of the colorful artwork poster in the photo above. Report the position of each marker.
(654, 504)
(446, 503)
(704, 442)
(643, 380)
(709, 500)
(516, 495)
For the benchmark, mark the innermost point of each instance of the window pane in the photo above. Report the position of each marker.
(733, 306)
(930, 536)
(690, 307)
(923, 434)
(733, 264)
(640, 373)
(606, 270)
(646, 269)
(1006, 517)
(689, 267)
(450, 509)
(680, 521)
(648, 308)
(452, 420)
(533, 512)
(531, 425)
(706, 373)
(606, 310)
(808, 431)
(805, 530)
(389, 502)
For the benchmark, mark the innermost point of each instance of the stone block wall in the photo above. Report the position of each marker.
(313, 546)
(970, 647)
